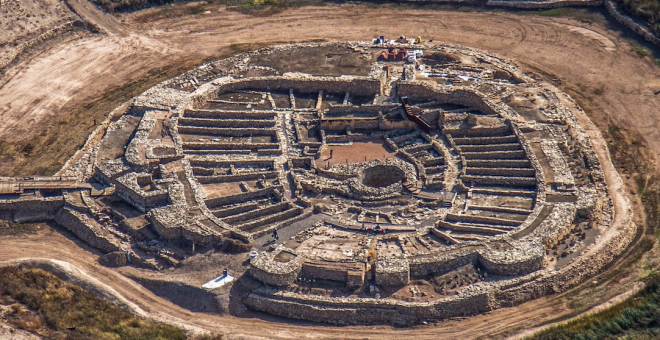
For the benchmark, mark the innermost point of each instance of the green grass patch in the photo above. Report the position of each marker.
(647, 11)
(265, 8)
(192, 10)
(554, 12)
(16, 229)
(642, 52)
(114, 6)
(51, 307)
(585, 15)
(636, 317)
(173, 10)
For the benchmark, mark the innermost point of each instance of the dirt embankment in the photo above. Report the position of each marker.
(23, 22)
(51, 249)
(87, 76)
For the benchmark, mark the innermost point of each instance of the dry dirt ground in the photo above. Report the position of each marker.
(51, 244)
(10, 333)
(357, 152)
(23, 21)
(59, 77)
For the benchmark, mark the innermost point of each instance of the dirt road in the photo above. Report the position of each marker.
(64, 76)
(49, 244)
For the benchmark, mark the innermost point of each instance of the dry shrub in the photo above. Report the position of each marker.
(22, 324)
(59, 305)
(36, 323)
(441, 58)
(208, 336)
(6, 300)
(17, 309)
(113, 6)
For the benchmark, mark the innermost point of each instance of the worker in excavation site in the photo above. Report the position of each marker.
(275, 237)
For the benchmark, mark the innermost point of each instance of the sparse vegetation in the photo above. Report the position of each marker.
(646, 10)
(598, 90)
(261, 7)
(636, 318)
(113, 6)
(44, 304)
(554, 12)
(47, 152)
(15, 229)
(585, 15)
(634, 162)
(208, 337)
(642, 52)
(175, 8)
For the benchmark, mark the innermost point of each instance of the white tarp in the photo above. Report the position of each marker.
(218, 282)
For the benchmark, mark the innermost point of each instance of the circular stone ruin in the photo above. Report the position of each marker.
(402, 192)
(380, 176)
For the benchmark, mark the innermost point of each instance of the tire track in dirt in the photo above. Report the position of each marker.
(81, 262)
(607, 43)
(82, 69)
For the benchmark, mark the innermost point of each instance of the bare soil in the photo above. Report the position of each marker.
(354, 153)
(318, 61)
(49, 100)
(55, 245)
(23, 21)
(8, 331)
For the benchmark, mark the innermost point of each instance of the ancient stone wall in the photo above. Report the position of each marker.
(425, 91)
(237, 177)
(361, 86)
(531, 4)
(127, 187)
(49, 205)
(477, 132)
(500, 245)
(219, 201)
(340, 124)
(353, 311)
(351, 272)
(441, 263)
(522, 258)
(165, 222)
(265, 268)
(392, 272)
(87, 229)
(237, 114)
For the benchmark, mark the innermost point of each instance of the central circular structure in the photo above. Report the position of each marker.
(401, 192)
(381, 176)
